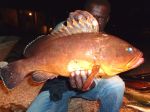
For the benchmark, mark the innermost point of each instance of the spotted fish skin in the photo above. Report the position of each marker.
(64, 51)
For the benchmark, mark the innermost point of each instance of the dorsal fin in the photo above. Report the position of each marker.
(77, 22)
(29, 46)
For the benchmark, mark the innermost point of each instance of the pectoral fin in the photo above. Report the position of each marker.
(90, 79)
(42, 76)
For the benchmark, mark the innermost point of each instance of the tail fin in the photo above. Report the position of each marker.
(10, 75)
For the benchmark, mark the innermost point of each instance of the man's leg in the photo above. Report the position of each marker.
(43, 103)
(109, 91)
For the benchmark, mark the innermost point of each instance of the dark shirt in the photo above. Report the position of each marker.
(56, 87)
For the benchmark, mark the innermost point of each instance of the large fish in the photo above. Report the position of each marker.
(75, 44)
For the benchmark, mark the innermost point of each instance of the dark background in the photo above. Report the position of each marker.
(129, 19)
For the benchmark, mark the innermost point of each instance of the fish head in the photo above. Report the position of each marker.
(117, 55)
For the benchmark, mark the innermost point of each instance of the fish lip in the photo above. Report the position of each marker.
(137, 61)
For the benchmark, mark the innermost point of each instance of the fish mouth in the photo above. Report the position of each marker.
(135, 62)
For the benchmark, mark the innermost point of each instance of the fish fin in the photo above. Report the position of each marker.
(29, 48)
(42, 76)
(88, 83)
(10, 77)
(77, 22)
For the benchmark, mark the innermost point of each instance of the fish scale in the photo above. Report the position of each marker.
(77, 48)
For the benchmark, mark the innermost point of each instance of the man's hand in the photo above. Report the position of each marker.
(78, 78)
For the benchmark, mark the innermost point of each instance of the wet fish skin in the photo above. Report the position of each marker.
(61, 53)
(53, 56)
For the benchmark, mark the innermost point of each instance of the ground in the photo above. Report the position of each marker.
(18, 99)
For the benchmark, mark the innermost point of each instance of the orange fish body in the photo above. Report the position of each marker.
(76, 46)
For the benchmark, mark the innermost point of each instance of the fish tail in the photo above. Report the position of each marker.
(11, 75)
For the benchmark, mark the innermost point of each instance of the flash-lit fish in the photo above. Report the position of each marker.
(73, 45)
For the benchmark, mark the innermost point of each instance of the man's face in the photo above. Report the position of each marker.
(101, 13)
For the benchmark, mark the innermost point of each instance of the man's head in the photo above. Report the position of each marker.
(100, 9)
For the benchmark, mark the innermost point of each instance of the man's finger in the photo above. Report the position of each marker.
(84, 76)
(72, 80)
(78, 79)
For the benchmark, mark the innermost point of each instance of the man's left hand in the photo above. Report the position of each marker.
(78, 78)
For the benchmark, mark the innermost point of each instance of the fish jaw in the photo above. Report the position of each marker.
(135, 62)
(139, 62)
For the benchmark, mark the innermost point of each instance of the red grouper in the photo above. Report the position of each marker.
(74, 44)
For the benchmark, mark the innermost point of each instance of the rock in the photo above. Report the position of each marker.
(82, 105)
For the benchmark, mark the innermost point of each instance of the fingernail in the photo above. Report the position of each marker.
(82, 72)
(89, 72)
(77, 72)
(72, 74)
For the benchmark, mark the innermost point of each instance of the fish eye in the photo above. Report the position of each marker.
(129, 49)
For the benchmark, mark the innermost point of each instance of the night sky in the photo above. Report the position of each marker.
(129, 19)
(134, 13)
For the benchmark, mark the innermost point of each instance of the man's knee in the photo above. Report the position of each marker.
(112, 85)
(112, 94)
(116, 85)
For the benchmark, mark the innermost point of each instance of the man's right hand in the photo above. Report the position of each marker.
(78, 78)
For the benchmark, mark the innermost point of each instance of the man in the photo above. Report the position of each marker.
(56, 93)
